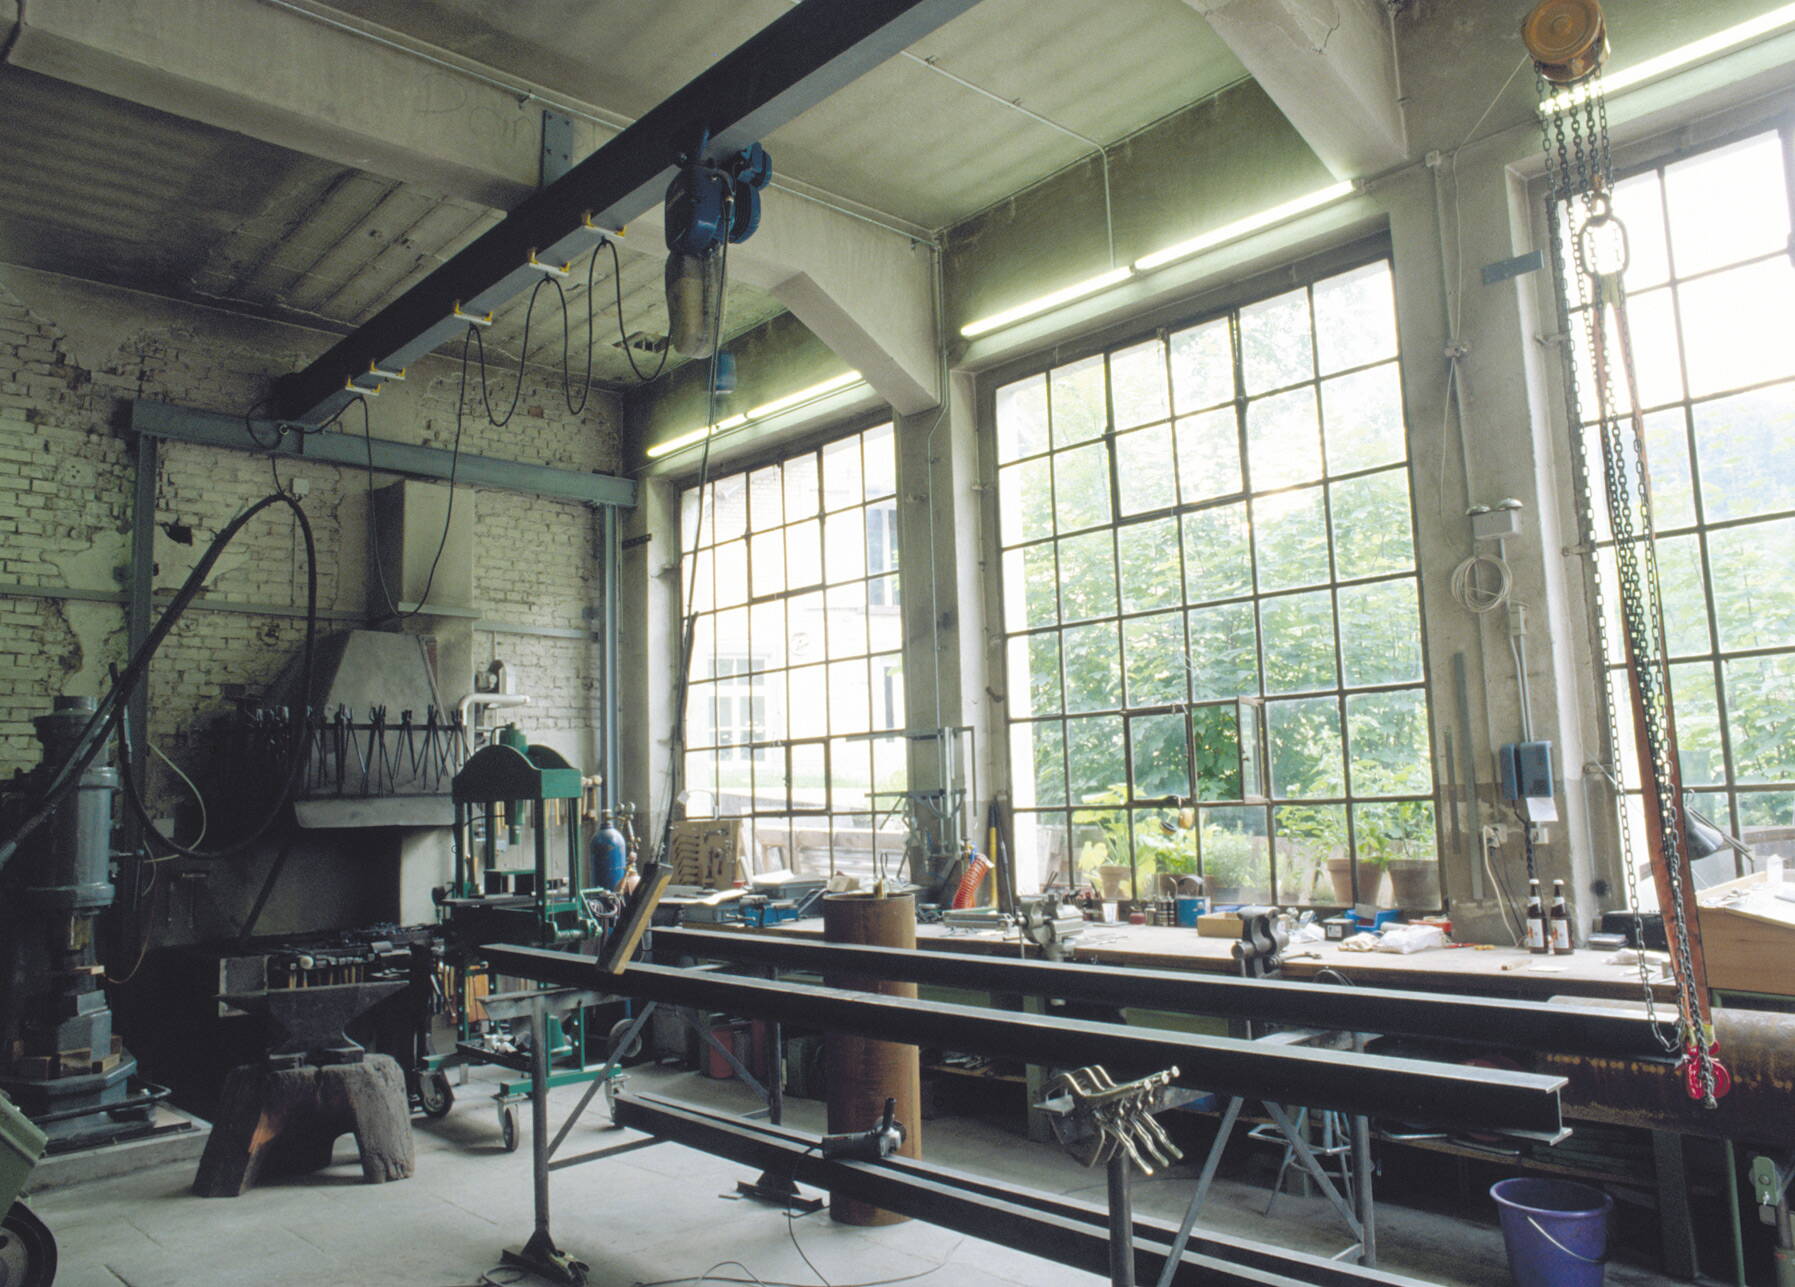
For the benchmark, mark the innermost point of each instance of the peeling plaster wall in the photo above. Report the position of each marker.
(71, 356)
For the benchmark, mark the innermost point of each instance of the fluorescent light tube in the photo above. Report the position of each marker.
(1046, 303)
(692, 437)
(1719, 43)
(1241, 227)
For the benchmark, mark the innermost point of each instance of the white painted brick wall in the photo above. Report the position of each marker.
(65, 497)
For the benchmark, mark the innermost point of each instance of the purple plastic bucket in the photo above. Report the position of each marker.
(1556, 1231)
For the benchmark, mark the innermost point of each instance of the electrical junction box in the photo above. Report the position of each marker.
(1527, 779)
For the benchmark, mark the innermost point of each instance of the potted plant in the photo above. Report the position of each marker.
(1397, 837)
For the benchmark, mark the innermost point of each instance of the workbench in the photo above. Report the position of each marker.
(1498, 971)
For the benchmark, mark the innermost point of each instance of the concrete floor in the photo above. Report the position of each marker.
(651, 1216)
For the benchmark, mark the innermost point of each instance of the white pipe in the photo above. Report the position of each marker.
(488, 699)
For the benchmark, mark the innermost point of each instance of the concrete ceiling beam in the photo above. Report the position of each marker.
(423, 116)
(1330, 66)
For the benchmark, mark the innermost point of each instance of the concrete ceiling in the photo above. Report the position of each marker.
(113, 191)
(902, 139)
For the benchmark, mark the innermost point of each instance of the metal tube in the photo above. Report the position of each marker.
(1121, 1220)
(1484, 1021)
(1411, 1089)
(539, 1109)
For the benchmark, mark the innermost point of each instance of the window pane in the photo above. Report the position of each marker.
(1275, 348)
(1093, 669)
(1283, 440)
(1391, 833)
(1298, 633)
(1314, 864)
(1685, 604)
(1087, 574)
(847, 619)
(1035, 674)
(1094, 762)
(1080, 402)
(1202, 366)
(729, 515)
(878, 450)
(1236, 854)
(844, 545)
(1224, 658)
(1209, 455)
(765, 504)
(1022, 418)
(1746, 446)
(732, 573)
(1161, 763)
(1700, 756)
(801, 495)
(1758, 717)
(1667, 453)
(1728, 205)
(1387, 734)
(1153, 648)
(1380, 633)
(850, 708)
(841, 474)
(1038, 754)
(1372, 531)
(1754, 584)
(1145, 479)
(766, 626)
(1218, 561)
(1026, 500)
(1639, 201)
(1656, 354)
(1290, 539)
(1355, 318)
(1736, 325)
(809, 701)
(1081, 487)
(1304, 741)
(766, 561)
(1030, 588)
(1362, 413)
(808, 624)
(804, 554)
(1215, 741)
(1149, 558)
(1137, 381)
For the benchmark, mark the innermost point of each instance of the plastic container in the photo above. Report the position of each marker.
(1187, 909)
(1556, 1231)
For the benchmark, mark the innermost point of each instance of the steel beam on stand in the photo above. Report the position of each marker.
(1484, 1021)
(1411, 1089)
(1059, 1229)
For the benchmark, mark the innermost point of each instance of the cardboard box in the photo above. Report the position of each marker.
(1748, 936)
(1218, 925)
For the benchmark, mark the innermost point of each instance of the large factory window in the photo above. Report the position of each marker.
(796, 697)
(1214, 643)
(1711, 306)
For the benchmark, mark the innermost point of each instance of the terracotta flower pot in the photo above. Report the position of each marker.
(1340, 873)
(1415, 884)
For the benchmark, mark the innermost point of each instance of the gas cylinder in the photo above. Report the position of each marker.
(607, 856)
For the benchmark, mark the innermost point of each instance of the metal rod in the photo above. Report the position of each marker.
(539, 1108)
(1121, 1220)
(1482, 1020)
(1057, 1229)
(1200, 1194)
(1484, 1098)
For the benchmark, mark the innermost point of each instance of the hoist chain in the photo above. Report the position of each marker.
(1582, 182)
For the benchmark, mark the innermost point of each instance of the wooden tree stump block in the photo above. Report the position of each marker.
(289, 1119)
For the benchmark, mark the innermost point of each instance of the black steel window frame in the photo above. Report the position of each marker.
(1226, 303)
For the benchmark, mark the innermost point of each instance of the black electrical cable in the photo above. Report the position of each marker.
(110, 708)
(622, 334)
(448, 515)
(296, 755)
(523, 354)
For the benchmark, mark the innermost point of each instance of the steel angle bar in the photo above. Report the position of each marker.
(1408, 1089)
(786, 68)
(160, 420)
(1485, 1021)
(1057, 1229)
